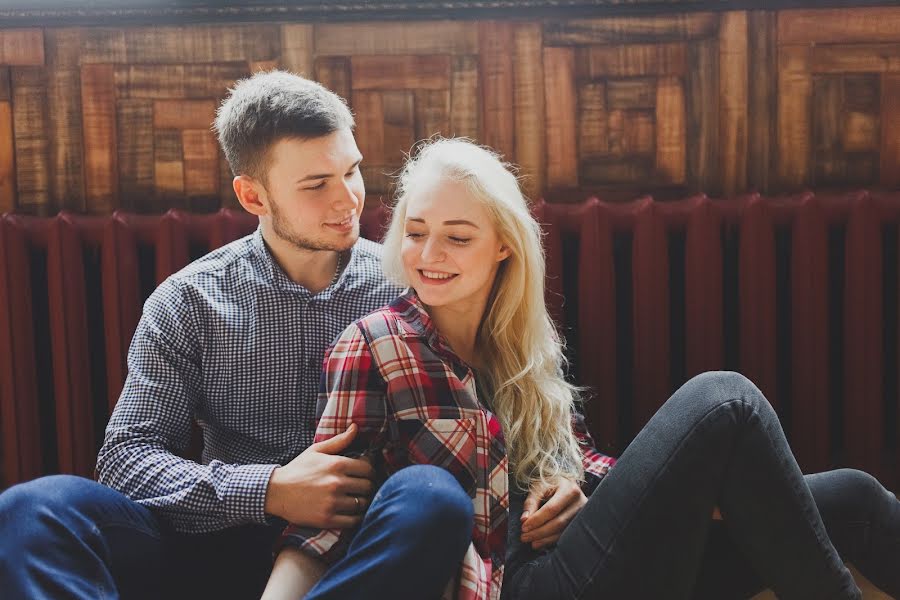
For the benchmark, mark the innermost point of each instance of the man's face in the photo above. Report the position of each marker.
(315, 191)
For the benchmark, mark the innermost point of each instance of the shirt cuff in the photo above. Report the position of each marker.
(245, 493)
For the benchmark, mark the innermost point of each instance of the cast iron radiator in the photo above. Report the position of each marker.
(798, 293)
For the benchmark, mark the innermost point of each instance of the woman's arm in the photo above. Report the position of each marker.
(294, 574)
(352, 391)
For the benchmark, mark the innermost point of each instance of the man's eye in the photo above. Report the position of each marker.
(316, 187)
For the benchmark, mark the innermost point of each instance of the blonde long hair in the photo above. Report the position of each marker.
(517, 343)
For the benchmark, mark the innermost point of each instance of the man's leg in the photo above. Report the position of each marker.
(69, 537)
(643, 532)
(410, 543)
(233, 563)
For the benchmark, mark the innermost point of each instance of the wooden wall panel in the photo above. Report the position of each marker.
(202, 44)
(465, 107)
(22, 47)
(64, 116)
(168, 165)
(334, 73)
(733, 81)
(7, 160)
(528, 105)
(761, 99)
(177, 81)
(794, 96)
(835, 26)
(856, 58)
(99, 116)
(825, 119)
(498, 119)
(671, 141)
(633, 93)
(183, 114)
(403, 72)
(702, 117)
(436, 37)
(432, 113)
(593, 120)
(135, 153)
(719, 102)
(632, 60)
(890, 133)
(399, 126)
(297, 49)
(32, 160)
(201, 163)
(630, 30)
(560, 102)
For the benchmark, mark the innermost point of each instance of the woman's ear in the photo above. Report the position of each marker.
(248, 194)
(503, 253)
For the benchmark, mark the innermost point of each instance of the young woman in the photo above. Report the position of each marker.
(465, 372)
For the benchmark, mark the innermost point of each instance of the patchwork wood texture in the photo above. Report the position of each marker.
(94, 118)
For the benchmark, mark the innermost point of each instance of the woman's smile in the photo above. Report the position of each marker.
(436, 277)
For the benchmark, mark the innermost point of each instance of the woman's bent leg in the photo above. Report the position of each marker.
(862, 520)
(410, 543)
(642, 534)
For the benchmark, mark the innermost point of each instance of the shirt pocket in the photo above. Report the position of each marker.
(447, 443)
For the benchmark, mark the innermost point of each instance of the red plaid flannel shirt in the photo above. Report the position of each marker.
(415, 402)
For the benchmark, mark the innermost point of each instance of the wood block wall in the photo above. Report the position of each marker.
(97, 118)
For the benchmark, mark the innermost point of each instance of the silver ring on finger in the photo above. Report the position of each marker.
(358, 505)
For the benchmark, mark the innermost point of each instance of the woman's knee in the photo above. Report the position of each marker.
(436, 501)
(719, 387)
(858, 495)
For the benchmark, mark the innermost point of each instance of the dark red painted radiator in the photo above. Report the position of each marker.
(800, 294)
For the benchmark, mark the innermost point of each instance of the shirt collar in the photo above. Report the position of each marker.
(413, 312)
(278, 278)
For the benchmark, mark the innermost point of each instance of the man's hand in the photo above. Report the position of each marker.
(543, 525)
(321, 490)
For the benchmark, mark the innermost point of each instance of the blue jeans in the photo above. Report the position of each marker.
(647, 533)
(68, 537)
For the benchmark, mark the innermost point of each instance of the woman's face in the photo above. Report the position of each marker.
(450, 249)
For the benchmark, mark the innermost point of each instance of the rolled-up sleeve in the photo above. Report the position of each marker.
(596, 464)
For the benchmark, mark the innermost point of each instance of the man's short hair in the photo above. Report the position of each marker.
(269, 107)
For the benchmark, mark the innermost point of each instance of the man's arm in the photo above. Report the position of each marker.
(151, 424)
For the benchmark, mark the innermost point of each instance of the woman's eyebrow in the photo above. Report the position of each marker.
(450, 222)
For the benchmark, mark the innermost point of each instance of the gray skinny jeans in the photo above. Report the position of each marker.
(647, 533)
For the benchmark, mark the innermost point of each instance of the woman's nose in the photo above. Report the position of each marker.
(432, 251)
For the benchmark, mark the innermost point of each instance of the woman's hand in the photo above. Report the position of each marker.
(543, 524)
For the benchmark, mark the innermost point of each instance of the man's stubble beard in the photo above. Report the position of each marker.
(284, 231)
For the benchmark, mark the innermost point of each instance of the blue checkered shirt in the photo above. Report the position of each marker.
(229, 342)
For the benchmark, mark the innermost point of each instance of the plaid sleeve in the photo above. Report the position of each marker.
(352, 390)
(596, 465)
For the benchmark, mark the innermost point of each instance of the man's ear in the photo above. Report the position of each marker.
(250, 194)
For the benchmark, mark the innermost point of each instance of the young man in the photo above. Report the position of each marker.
(235, 342)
